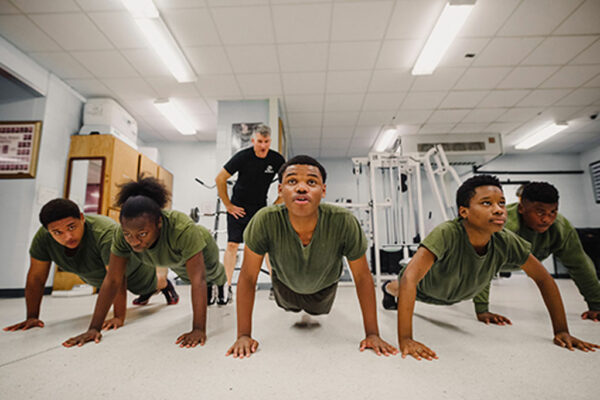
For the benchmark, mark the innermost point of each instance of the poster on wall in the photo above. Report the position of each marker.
(241, 135)
(19, 145)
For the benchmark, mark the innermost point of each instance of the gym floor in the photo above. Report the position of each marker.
(140, 361)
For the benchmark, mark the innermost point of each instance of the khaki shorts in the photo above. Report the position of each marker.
(315, 304)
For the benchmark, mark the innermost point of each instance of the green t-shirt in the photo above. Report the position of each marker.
(92, 255)
(180, 239)
(560, 239)
(459, 273)
(306, 269)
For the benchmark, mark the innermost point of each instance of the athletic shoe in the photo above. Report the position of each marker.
(271, 294)
(170, 294)
(389, 301)
(229, 294)
(210, 295)
(143, 299)
(224, 297)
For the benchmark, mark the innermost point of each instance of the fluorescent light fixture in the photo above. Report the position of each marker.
(176, 117)
(386, 139)
(540, 135)
(453, 17)
(159, 37)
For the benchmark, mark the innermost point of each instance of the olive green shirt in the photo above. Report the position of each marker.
(560, 239)
(91, 257)
(459, 273)
(180, 239)
(311, 268)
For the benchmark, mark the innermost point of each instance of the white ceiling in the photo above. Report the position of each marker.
(340, 68)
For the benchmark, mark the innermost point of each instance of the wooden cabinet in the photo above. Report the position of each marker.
(147, 167)
(167, 179)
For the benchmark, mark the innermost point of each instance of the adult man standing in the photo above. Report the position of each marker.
(257, 167)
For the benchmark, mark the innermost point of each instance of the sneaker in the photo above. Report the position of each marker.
(271, 294)
(210, 295)
(170, 294)
(389, 301)
(224, 296)
(143, 299)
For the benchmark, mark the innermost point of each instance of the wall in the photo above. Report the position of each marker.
(592, 217)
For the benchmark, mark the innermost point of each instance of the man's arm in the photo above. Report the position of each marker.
(119, 309)
(34, 290)
(482, 303)
(366, 297)
(111, 284)
(244, 346)
(221, 182)
(197, 272)
(536, 271)
(407, 293)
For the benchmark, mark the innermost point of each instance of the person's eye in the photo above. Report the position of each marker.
(486, 203)
(126, 234)
(502, 203)
(143, 234)
(291, 181)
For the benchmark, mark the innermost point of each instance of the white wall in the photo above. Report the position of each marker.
(592, 209)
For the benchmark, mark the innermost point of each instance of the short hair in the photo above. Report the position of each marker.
(144, 196)
(466, 191)
(540, 191)
(519, 191)
(302, 159)
(58, 209)
(261, 129)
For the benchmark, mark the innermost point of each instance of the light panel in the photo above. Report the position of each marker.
(540, 135)
(176, 117)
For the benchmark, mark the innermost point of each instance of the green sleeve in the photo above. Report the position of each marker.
(441, 239)
(355, 241)
(256, 235)
(482, 300)
(106, 240)
(580, 268)
(519, 249)
(119, 246)
(190, 241)
(39, 245)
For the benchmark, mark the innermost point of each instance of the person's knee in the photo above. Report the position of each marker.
(232, 246)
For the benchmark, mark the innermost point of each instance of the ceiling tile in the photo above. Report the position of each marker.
(447, 116)
(481, 115)
(140, 108)
(307, 133)
(244, 25)
(583, 20)
(304, 83)
(410, 117)
(502, 51)
(303, 57)
(248, 59)
(503, 98)
(348, 81)
(227, 3)
(340, 118)
(90, 87)
(413, 19)
(268, 85)
(21, 32)
(482, 78)
(305, 120)
(169, 87)
(398, 54)
(528, 20)
(580, 97)
(105, 64)
(146, 62)
(103, 5)
(521, 114)
(571, 76)
(192, 27)
(463, 99)
(543, 97)
(343, 102)
(562, 113)
(45, 6)
(218, 86)
(62, 65)
(338, 131)
(304, 103)
(487, 17)
(208, 59)
(442, 79)
(366, 133)
(130, 88)
(391, 81)
(360, 21)
(352, 55)
(422, 100)
(558, 50)
(72, 31)
(526, 77)
(470, 128)
(383, 101)
(591, 55)
(291, 22)
(120, 28)
(335, 145)
(594, 82)
(436, 128)
(504, 128)
(7, 8)
(375, 118)
(455, 56)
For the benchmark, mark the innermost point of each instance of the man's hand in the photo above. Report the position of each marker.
(563, 339)
(378, 345)
(113, 323)
(417, 350)
(243, 347)
(91, 334)
(192, 339)
(237, 212)
(27, 324)
(590, 314)
(491, 318)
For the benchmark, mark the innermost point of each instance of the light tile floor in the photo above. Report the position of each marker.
(140, 361)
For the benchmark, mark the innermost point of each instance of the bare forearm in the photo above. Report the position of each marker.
(554, 304)
(120, 303)
(106, 296)
(199, 304)
(406, 307)
(222, 191)
(366, 297)
(34, 290)
(246, 291)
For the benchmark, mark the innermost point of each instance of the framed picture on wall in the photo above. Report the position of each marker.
(241, 135)
(282, 145)
(19, 146)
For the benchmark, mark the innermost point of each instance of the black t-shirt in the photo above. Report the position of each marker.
(254, 175)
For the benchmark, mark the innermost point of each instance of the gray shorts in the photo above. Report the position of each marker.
(315, 304)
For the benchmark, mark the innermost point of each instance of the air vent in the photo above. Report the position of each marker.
(595, 173)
